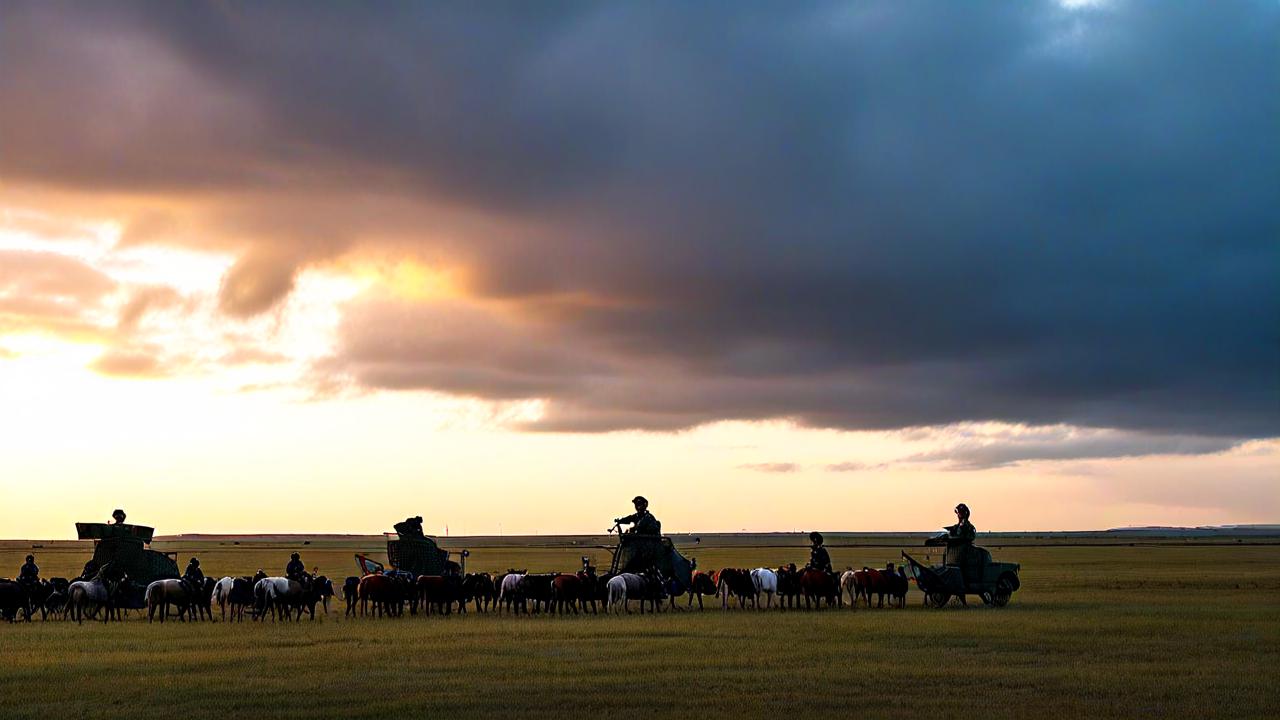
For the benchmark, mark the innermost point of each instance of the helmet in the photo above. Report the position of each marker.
(815, 537)
(31, 558)
(118, 515)
(639, 500)
(963, 510)
(295, 556)
(194, 562)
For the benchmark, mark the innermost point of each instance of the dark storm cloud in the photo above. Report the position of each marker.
(856, 215)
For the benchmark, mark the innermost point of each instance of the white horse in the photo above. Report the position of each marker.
(222, 594)
(510, 591)
(87, 597)
(283, 596)
(270, 593)
(849, 584)
(623, 587)
(766, 582)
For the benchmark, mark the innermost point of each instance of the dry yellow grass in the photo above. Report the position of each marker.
(1171, 630)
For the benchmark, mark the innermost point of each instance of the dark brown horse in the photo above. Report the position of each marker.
(439, 592)
(480, 588)
(738, 583)
(818, 585)
(703, 584)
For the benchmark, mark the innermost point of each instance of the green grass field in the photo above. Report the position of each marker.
(1163, 629)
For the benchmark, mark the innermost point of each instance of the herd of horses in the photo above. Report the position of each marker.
(521, 592)
(108, 597)
(394, 594)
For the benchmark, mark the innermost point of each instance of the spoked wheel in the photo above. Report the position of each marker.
(939, 599)
(1003, 592)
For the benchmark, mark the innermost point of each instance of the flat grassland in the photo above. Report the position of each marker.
(1157, 628)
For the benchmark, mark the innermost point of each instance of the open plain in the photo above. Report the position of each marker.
(1170, 627)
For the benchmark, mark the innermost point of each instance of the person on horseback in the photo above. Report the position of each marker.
(30, 572)
(819, 558)
(193, 577)
(297, 571)
(643, 521)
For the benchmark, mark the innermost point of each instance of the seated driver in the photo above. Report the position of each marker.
(644, 522)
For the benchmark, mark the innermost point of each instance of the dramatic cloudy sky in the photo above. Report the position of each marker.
(775, 265)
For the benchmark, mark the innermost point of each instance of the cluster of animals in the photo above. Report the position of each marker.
(394, 594)
(518, 591)
(107, 596)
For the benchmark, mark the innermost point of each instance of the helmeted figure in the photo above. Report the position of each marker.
(118, 516)
(30, 572)
(819, 558)
(960, 536)
(644, 522)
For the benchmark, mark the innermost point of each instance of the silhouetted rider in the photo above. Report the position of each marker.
(30, 572)
(644, 522)
(193, 576)
(819, 558)
(297, 572)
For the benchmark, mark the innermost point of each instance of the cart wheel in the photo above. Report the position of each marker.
(939, 599)
(1003, 592)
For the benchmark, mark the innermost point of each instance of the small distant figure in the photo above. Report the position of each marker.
(30, 572)
(819, 558)
(118, 516)
(410, 527)
(193, 577)
(643, 521)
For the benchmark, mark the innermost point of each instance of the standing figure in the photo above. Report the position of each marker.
(960, 536)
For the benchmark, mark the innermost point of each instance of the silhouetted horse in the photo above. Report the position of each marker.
(351, 593)
(703, 584)
(816, 586)
(738, 583)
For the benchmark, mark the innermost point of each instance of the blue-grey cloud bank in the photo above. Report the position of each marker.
(860, 215)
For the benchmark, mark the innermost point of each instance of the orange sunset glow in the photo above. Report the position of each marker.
(250, 284)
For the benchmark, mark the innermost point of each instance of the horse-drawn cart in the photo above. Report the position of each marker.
(971, 572)
(125, 548)
(637, 553)
(413, 554)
